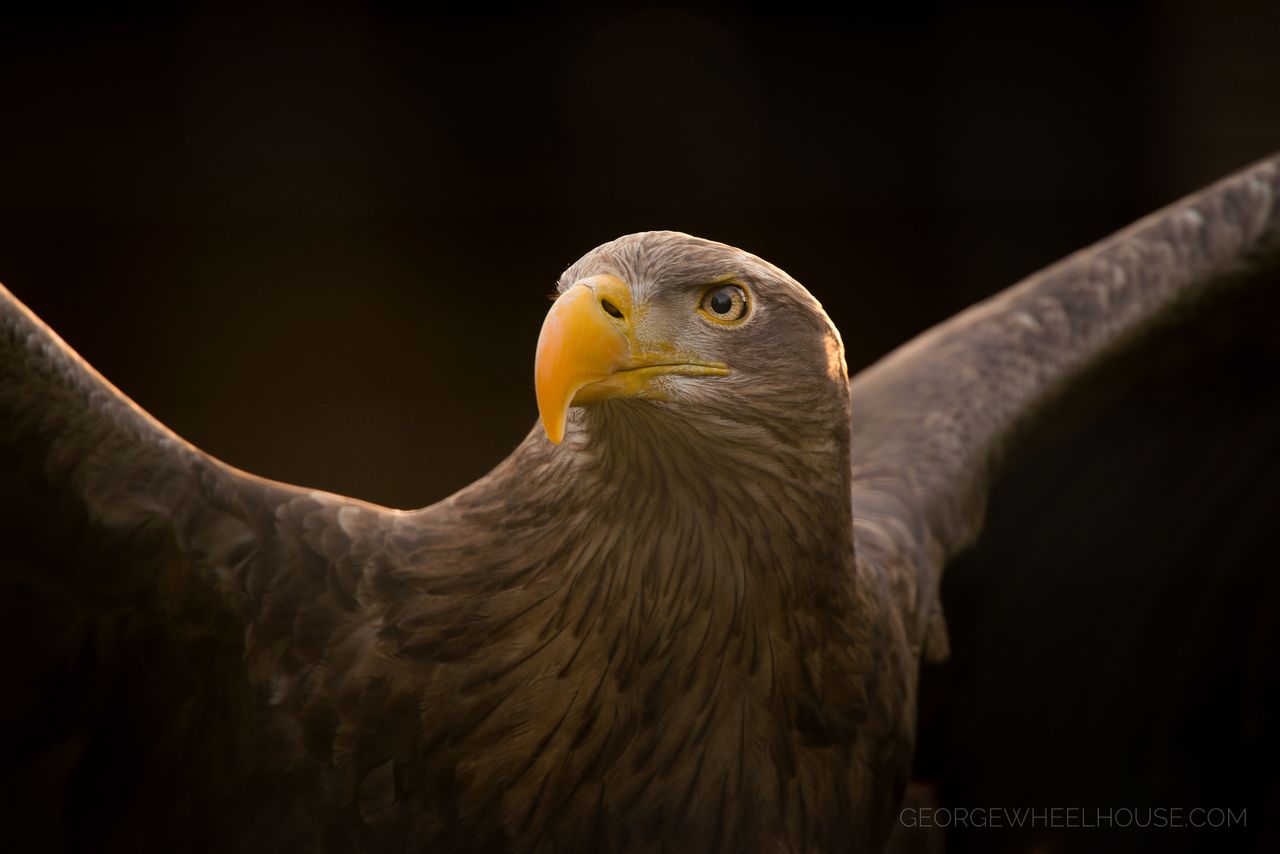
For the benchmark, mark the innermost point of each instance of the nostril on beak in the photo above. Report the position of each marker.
(610, 309)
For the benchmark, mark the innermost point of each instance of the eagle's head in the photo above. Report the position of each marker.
(691, 332)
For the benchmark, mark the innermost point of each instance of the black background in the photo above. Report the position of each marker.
(317, 243)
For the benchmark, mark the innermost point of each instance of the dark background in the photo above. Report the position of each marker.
(318, 245)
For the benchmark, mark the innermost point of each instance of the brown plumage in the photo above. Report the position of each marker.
(695, 624)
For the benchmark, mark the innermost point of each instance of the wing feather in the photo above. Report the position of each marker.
(935, 421)
(159, 604)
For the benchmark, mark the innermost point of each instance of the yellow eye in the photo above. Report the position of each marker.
(725, 303)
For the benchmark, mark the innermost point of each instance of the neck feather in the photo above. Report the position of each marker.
(651, 572)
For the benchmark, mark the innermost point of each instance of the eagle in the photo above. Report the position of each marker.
(688, 612)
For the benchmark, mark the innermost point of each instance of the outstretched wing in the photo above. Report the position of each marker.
(935, 420)
(142, 582)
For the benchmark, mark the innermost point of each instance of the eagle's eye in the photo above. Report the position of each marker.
(725, 303)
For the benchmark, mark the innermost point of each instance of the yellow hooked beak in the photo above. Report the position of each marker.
(588, 351)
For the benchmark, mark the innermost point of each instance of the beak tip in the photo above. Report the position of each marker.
(552, 416)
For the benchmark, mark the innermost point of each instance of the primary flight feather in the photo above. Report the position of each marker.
(686, 613)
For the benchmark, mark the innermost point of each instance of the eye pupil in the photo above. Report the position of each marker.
(721, 302)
